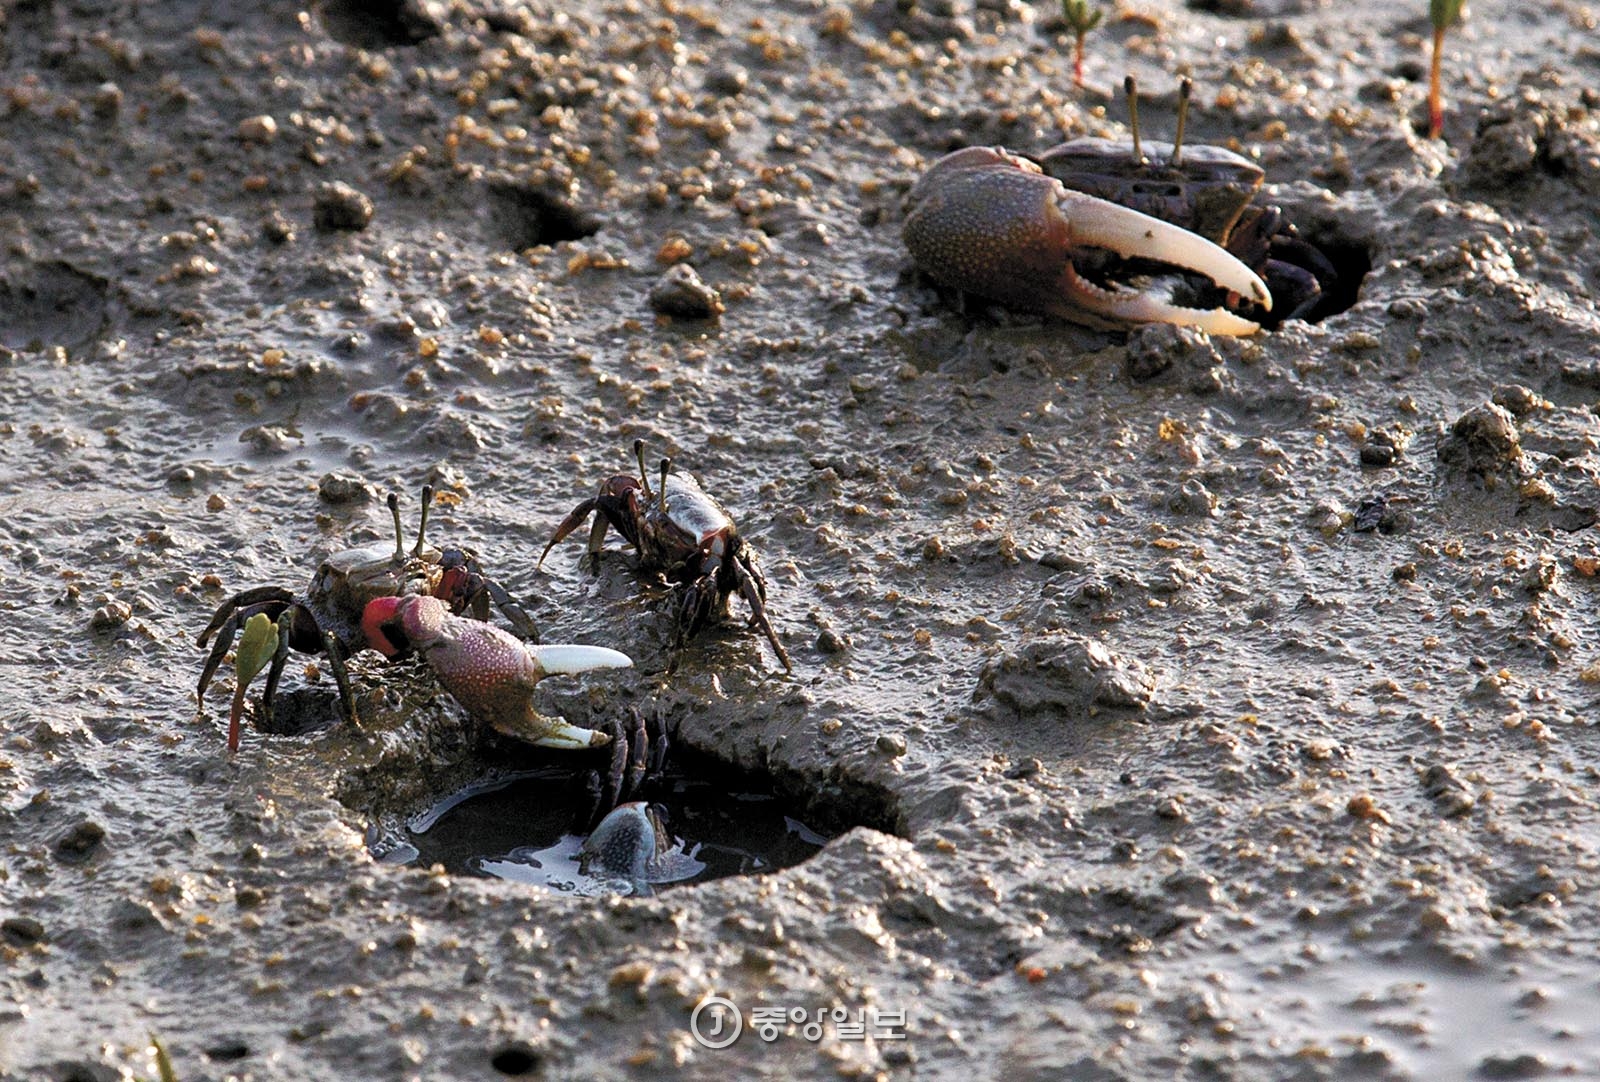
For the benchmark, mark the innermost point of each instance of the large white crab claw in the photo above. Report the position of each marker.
(991, 223)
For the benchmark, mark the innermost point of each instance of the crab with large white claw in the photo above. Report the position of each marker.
(326, 617)
(992, 223)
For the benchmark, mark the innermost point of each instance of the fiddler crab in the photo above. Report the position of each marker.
(681, 532)
(1080, 231)
(327, 617)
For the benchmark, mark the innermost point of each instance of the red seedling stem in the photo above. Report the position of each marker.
(1435, 104)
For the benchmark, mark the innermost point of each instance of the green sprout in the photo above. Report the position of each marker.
(256, 648)
(164, 1071)
(1082, 18)
(1443, 14)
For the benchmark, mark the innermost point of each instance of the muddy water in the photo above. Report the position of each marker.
(1170, 768)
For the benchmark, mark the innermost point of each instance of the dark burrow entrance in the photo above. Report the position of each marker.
(530, 824)
(1351, 261)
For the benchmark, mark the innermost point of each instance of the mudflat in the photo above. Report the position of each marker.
(1178, 706)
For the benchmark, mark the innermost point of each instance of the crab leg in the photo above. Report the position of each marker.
(750, 585)
(341, 676)
(230, 617)
(280, 658)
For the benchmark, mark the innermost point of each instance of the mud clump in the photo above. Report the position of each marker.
(1068, 675)
(682, 294)
(1484, 442)
(81, 840)
(1527, 136)
(341, 208)
(1155, 349)
(1447, 791)
(22, 931)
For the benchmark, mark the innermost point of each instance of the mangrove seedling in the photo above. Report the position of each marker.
(256, 647)
(1082, 18)
(163, 1062)
(1443, 14)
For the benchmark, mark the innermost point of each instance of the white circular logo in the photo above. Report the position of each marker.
(721, 1025)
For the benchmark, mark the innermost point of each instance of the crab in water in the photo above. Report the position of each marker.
(1083, 231)
(681, 532)
(326, 617)
(632, 850)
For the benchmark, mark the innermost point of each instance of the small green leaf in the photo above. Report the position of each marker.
(1080, 16)
(256, 647)
(1442, 13)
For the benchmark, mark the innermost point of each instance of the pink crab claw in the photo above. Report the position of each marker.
(490, 672)
(989, 222)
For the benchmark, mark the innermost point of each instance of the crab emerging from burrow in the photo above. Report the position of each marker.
(686, 536)
(1096, 232)
(326, 618)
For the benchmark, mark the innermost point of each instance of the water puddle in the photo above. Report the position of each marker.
(530, 826)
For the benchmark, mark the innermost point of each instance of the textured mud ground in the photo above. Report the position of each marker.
(1202, 708)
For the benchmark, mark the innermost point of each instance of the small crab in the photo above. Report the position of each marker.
(632, 849)
(684, 534)
(486, 669)
(326, 617)
(1079, 232)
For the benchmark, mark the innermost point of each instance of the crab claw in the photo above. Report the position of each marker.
(490, 672)
(257, 645)
(992, 223)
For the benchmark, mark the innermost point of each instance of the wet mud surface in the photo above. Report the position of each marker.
(1186, 707)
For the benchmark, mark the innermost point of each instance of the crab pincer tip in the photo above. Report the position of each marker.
(565, 658)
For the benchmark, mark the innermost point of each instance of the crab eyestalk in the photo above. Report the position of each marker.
(422, 526)
(399, 530)
(255, 651)
(1185, 89)
(1131, 89)
(644, 474)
